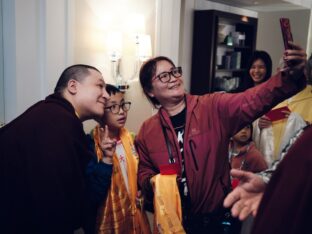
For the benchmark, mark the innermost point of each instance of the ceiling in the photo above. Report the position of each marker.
(261, 5)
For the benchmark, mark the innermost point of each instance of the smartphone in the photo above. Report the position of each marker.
(277, 114)
(286, 32)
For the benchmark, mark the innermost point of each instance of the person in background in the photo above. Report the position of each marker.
(259, 69)
(272, 136)
(112, 173)
(189, 133)
(44, 153)
(243, 154)
(290, 180)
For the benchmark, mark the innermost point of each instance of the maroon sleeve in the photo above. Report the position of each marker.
(238, 110)
(286, 205)
(146, 170)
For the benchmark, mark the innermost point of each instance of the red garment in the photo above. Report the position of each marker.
(286, 206)
(211, 120)
(249, 159)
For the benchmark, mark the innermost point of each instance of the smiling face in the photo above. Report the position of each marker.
(90, 95)
(118, 120)
(170, 92)
(258, 71)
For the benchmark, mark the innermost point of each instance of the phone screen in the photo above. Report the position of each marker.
(286, 32)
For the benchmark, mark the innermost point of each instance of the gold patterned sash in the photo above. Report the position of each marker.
(119, 213)
(167, 205)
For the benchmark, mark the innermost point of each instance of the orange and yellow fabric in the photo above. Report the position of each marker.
(119, 213)
(167, 205)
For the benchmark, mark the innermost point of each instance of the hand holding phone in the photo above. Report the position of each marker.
(286, 32)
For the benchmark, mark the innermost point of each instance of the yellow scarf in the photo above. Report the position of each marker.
(167, 205)
(118, 213)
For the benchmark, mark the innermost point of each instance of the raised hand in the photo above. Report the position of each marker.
(246, 197)
(107, 144)
(295, 59)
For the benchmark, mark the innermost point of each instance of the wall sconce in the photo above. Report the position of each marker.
(143, 51)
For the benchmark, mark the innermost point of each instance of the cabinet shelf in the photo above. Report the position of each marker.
(234, 46)
(210, 53)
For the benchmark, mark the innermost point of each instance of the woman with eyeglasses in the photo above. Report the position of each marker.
(112, 173)
(190, 135)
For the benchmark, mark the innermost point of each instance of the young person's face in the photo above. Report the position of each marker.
(243, 135)
(169, 91)
(91, 96)
(258, 71)
(115, 121)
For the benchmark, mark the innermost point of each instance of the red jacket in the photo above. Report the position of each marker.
(211, 120)
(249, 159)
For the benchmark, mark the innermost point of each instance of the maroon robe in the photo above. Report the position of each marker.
(43, 155)
(286, 206)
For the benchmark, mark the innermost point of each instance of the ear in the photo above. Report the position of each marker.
(150, 93)
(72, 86)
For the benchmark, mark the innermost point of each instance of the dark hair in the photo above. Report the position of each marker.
(251, 131)
(147, 72)
(76, 72)
(266, 58)
(112, 90)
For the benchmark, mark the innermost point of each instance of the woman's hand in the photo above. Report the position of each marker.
(295, 60)
(107, 144)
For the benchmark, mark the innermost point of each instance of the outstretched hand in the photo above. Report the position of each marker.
(246, 197)
(107, 144)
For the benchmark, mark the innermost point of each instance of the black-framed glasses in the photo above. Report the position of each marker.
(116, 107)
(165, 77)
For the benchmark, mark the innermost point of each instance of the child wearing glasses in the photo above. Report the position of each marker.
(112, 174)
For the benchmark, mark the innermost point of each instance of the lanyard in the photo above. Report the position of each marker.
(171, 158)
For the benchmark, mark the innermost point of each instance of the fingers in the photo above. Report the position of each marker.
(105, 131)
(231, 198)
(294, 46)
(240, 174)
(264, 122)
(245, 212)
(264, 117)
(286, 113)
(297, 55)
(108, 145)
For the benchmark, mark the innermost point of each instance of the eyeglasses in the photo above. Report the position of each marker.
(116, 107)
(165, 77)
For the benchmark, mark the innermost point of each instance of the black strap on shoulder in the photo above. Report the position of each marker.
(171, 158)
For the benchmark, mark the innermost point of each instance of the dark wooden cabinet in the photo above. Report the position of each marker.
(222, 45)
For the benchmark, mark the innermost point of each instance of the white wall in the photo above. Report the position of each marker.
(34, 51)
(94, 19)
(41, 38)
(269, 37)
